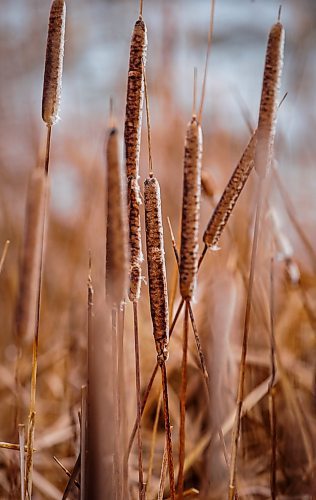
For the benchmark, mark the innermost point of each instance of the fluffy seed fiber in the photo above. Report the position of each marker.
(136, 255)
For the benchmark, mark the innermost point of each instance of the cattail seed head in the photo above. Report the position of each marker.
(30, 270)
(190, 209)
(116, 234)
(135, 97)
(230, 196)
(269, 99)
(156, 267)
(136, 255)
(54, 63)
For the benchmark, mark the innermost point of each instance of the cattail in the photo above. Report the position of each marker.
(54, 63)
(230, 196)
(190, 209)
(132, 135)
(156, 267)
(116, 237)
(136, 255)
(135, 97)
(269, 99)
(32, 255)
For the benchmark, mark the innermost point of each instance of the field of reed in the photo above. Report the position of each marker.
(157, 251)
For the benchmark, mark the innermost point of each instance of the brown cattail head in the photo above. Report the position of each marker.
(54, 63)
(190, 209)
(156, 268)
(136, 255)
(116, 234)
(31, 263)
(230, 196)
(135, 97)
(269, 99)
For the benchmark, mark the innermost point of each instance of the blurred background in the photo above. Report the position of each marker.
(95, 70)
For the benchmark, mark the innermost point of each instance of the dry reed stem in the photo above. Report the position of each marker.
(190, 209)
(158, 296)
(116, 234)
(66, 471)
(272, 409)
(163, 473)
(116, 404)
(72, 478)
(164, 381)
(29, 456)
(183, 392)
(11, 446)
(30, 269)
(37, 305)
(142, 488)
(242, 370)
(153, 444)
(269, 99)
(54, 63)
(230, 196)
(22, 458)
(4, 254)
(135, 98)
(83, 444)
(263, 158)
(194, 327)
(150, 383)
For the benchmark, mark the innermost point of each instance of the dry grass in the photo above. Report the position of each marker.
(87, 332)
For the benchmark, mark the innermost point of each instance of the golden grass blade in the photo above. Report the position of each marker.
(54, 63)
(66, 471)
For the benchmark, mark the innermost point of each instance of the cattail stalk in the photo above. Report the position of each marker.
(132, 137)
(54, 63)
(116, 234)
(183, 402)
(272, 409)
(190, 209)
(116, 285)
(230, 196)
(151, 381)
(263, 158)
(31, 257)
(158, 297)
(50, 110)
